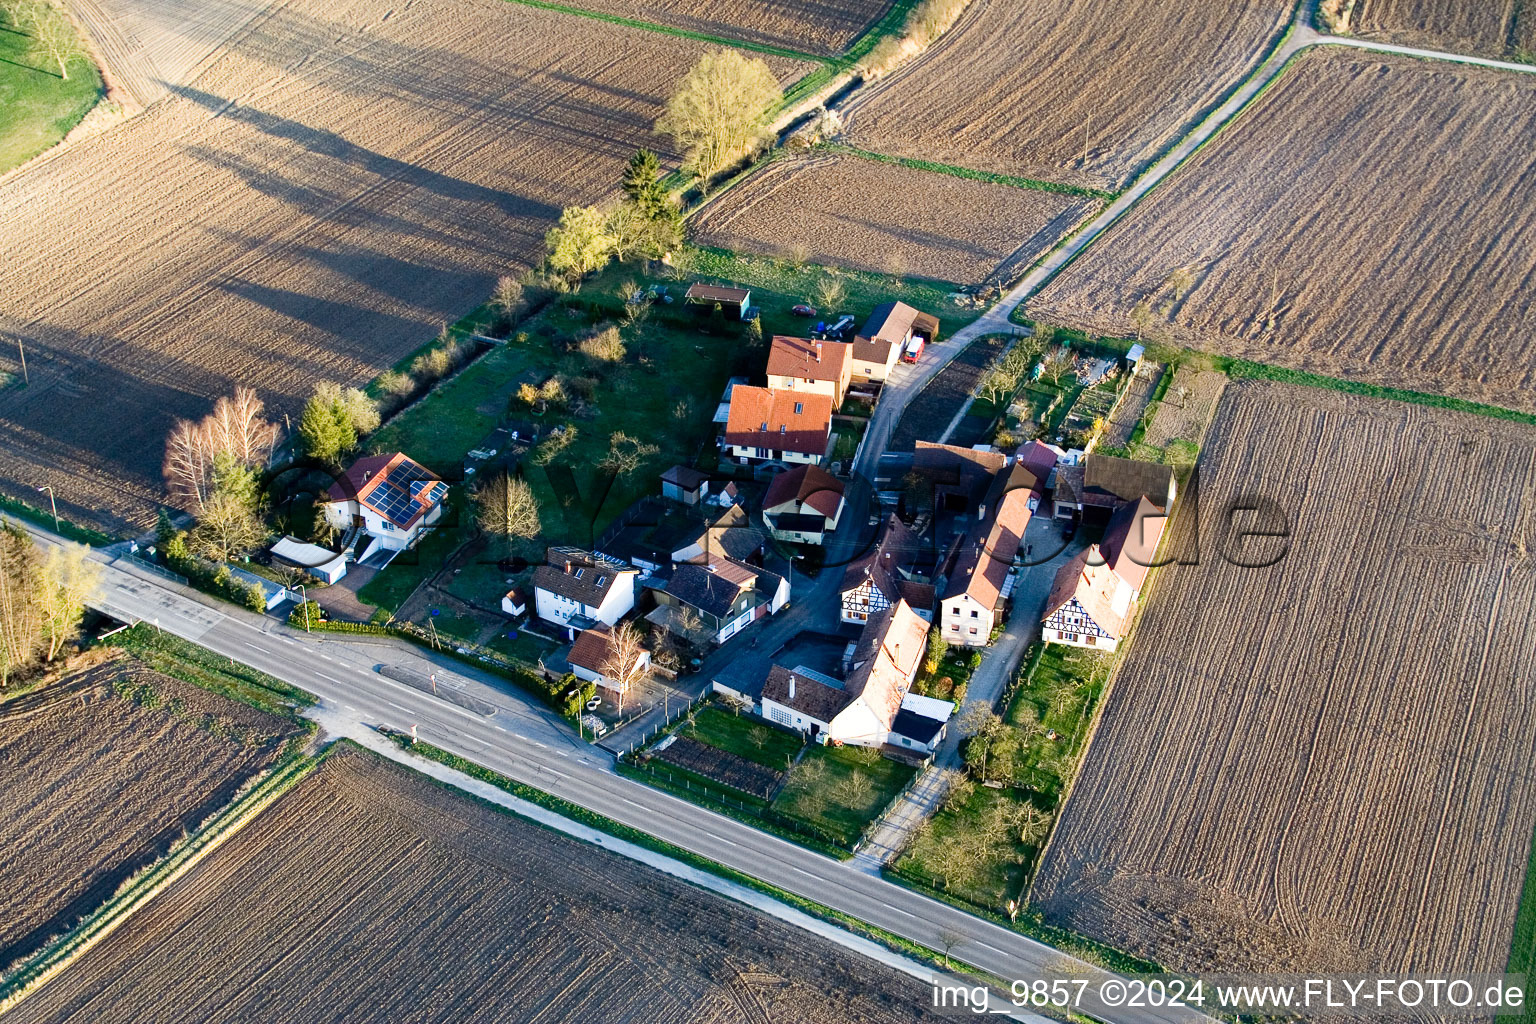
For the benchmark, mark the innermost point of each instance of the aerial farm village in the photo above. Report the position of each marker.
(614, 511)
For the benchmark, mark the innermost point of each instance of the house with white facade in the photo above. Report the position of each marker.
(591, 659)
(576, 589)
(885, 575)
(803, 505)
(807, 366)
(710, 602)
(784, 427)
(1093, 598)
(861, 710)
(885, 335)
(391, 498)
(978, 576)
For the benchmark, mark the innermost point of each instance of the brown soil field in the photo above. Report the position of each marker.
(1133, 403)
(1324, 765)
(340, 179)
(1488, 28)
(853, 212)
(1187, 406)
(369, 893)
(97, 785)
(806, 26)
(1023, 86)
(1400, 255)
(927, 415)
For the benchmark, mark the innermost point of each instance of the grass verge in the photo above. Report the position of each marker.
(1522, 952)
(953, 171)
(184, 660)
(44, 518)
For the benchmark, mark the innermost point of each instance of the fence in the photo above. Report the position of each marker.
(669, 717)
(883, 818)
(151, 567)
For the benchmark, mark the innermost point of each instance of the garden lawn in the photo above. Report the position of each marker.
(37, 107)
(841, 789)
(745, 737)
(953, 856)
(389, 589)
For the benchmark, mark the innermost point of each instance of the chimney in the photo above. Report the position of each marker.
(791, 686)
(567, 566)
(818, 351)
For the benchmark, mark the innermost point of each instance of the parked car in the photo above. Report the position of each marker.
(913, 351)
(803, 310)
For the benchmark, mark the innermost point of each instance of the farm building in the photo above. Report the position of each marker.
(979, 575)
(886, 575)
(705, 299)
(1100, 484)
(1093, 597)
(576, 589)
(591, 659)
(321, 563)
(885, 335)
(711, 602)
(862, 710)
(800, 364)
(803, 505)
(784, 427)
(390, 498)
(684, 484)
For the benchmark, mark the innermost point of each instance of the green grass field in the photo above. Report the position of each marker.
(37, 107)
(744, 736)
(841, 789)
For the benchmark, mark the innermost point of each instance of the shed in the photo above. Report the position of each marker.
(272, 594)
(322, 563)
(731, 302)
(684, 484)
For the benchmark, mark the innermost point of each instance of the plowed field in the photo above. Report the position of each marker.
(1488, 28)
(1324, 765)
(808, 26)
(370, 894)
(1369, 218)
(97, 785)
(1024, 87)
(341, 178)
(853, 212)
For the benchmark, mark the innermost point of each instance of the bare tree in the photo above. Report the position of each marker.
(188, 464)
(54, 37)
(227, 525)
(505, 506)
(831, 292)
(67, 581)
(623, 664)
(1181, 280)
(627, 454)
(235, 428)
(238, 428)
(1057, 362)
(1141, 318)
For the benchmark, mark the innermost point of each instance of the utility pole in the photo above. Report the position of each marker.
(22, 348)
(52, 501)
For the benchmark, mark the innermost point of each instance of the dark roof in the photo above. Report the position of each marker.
(705, 590)
(919, 595)
(812, 698)
(895, 553)
(953, 469)
(811, 485)
(796, 522)
(731, 534)
(579, 575)
(1037, 457)
(686, 477)
(1107, 481)
(915, 726)
(716, 293)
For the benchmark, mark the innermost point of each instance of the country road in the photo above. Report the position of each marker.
(525, 742)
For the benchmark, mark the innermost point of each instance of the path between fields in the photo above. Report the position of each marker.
(527, 742)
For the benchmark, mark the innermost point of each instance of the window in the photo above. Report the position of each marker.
(808, 380)
(782, 428)
(799, 408)
(955, 627)
(1092, 640)
(601, 580)
(580, 573)
(780, 716)
(764, 426)
(973, 631)
(1070, 638)
(975, 614)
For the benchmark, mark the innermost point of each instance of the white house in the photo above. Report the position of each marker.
(921, 723)
(514, 603)
(391, 498)
(787, 427)
(884, 576)
(978, 576)
(803, 505)
(862, 710)
(711, 602)
(575, 589)
(1093, 597)
(591, 659)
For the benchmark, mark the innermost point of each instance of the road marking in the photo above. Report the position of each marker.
(327, 657)
(253, 647)
(988, 945)
(908, 913)
(563, 753)
(331, 679)
(720, 839)
(397, 707)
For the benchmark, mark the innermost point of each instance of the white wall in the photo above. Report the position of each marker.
(956, 621)
(1101, 643)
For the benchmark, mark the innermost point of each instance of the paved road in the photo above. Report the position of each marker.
(527, 743)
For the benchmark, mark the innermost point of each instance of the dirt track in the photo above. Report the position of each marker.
(853, 212)
(1324, 765)
(371, 894)
(1369, 218)
(1021, 86)
(340, 181)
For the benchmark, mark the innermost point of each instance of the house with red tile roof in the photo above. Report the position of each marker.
(800, 364)
(392, 498)
(803, 505)
(978, 576)
(786, 427)
(1093, 598)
